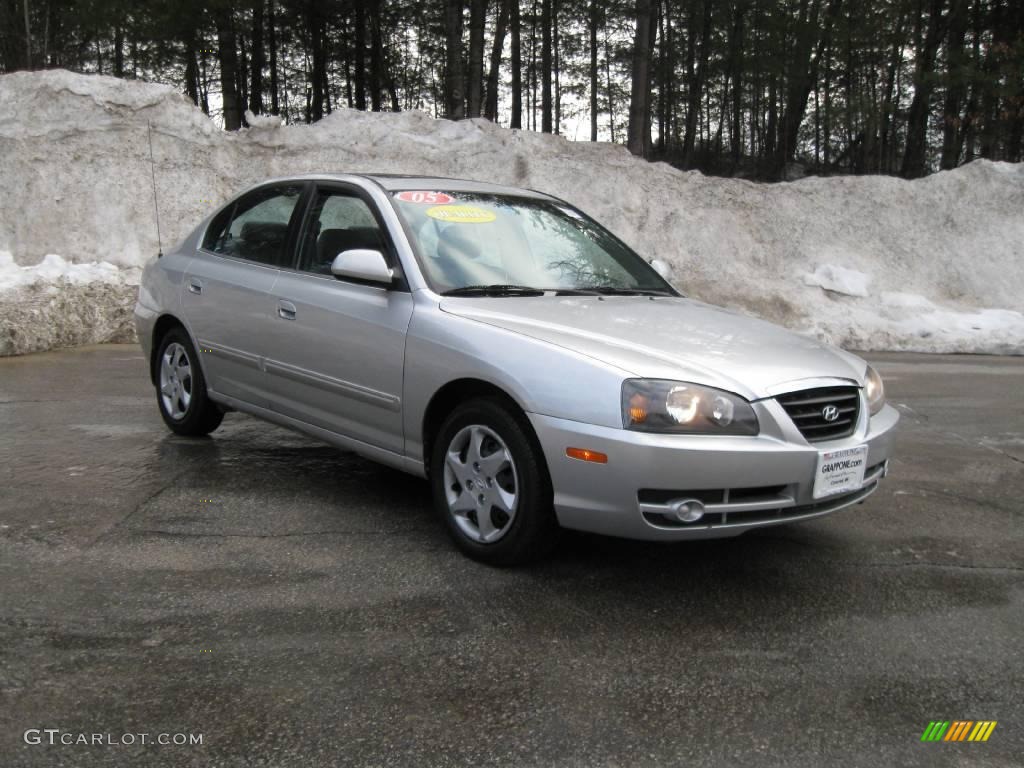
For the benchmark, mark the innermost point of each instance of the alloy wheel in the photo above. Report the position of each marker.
(480, 482)
(175, 381)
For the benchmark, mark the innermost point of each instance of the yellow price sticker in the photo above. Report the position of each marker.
(461, 214)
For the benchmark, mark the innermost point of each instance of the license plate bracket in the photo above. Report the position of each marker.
(840, 471)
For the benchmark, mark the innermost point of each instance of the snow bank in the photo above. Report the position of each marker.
(59, 304)
(866, 262)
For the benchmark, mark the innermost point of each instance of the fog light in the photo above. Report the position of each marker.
(687, 510)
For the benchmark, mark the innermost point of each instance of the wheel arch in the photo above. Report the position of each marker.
(458, 391)
(163, 324)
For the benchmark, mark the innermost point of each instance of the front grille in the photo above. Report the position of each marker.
(766, 515)
(711, 495)
(806, 407)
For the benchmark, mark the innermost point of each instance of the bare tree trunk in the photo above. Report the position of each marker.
(241, 77)
(608, 81)
(376, 58)
(228, 69)
(257, 62)
(392, 85)
(191, 69)
(1013, 104)
(477, 22)
(952, 121)
(118, 51)
(652, 35)
(517, 66)
(640, 94)
(455, 81)
(531, 96)
(896, 56)
(915, 156)
(736, 42)
(557, 65)
(664, 48)
(359, 60)
(318, 75)
(755, 102)
(325, 72)
(28, 39)
(204, 85)
(696, 76)
(594, 18)
(545, 66)
(493, 75)
(272, 24)
(811, 41)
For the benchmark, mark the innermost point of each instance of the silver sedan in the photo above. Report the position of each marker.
(507, 347)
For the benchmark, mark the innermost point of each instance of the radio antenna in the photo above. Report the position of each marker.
(156, 206)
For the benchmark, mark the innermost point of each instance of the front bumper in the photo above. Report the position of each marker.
(744, 482)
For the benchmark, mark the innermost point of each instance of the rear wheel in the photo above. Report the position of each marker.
(181, 389)
(490, 485)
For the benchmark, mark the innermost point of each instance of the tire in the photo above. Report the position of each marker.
(181, 388)
(495, 469)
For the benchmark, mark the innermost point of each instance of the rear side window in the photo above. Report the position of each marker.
(256, 226)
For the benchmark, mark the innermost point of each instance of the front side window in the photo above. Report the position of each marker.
(339, 221)
(256, 226)
(471, 239)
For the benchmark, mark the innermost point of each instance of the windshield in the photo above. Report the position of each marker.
(467, 240)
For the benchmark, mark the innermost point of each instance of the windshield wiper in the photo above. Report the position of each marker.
(575, 292)
(494, 290)
(611, 290)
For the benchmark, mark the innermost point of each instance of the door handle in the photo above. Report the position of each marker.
(195, 285)
(286, 310)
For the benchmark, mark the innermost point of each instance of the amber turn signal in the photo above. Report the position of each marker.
(585, 454)
(637, 409)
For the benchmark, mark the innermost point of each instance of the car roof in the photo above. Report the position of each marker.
(395, 182)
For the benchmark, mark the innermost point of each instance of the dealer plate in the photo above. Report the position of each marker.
(840, 471)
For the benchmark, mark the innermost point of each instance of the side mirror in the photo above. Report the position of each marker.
(662, 268)
(362, 264)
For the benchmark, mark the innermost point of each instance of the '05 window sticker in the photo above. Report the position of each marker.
(424, 197)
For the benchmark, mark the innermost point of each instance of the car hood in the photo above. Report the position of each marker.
(673, 338)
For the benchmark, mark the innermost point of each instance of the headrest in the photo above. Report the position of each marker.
(333, 241)
(266, 231)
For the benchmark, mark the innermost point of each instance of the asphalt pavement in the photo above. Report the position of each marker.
(294, 605)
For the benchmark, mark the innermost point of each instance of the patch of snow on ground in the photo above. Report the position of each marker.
(867, 262)
(912, 323)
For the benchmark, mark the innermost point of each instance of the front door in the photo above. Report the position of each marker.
(335, 354)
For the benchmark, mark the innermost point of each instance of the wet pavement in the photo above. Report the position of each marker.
(299, 606)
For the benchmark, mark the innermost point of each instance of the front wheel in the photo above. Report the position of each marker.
(490, 485)
(181, 388)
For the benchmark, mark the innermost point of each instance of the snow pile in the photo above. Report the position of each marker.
(54, 269)
(865, 262)
(59, 304)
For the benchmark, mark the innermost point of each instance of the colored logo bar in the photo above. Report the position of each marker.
(958, 730)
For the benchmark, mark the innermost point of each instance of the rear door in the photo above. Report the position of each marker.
(335, 354)
(227, 285)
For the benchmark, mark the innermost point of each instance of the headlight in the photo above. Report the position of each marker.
(874, 390)
(657, 405)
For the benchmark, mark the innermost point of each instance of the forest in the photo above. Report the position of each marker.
(759, 89)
